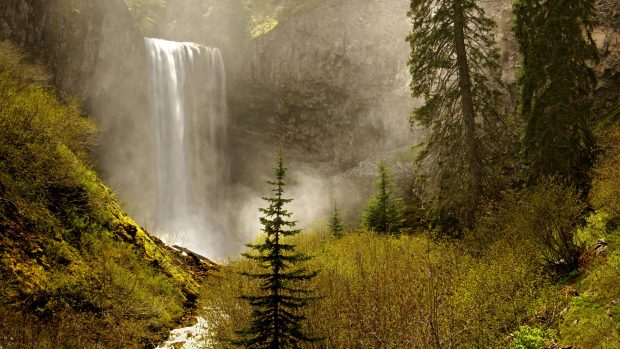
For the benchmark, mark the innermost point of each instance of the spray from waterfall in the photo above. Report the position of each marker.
(189, 122)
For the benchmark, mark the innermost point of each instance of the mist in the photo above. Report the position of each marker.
(334, 98)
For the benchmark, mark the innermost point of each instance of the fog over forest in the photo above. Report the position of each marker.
(334, 100)
(309, 174)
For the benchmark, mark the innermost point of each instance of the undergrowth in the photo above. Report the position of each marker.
(75, 271)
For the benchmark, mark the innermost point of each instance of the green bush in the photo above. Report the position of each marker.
(605, 192)
(531, 338)
(544, 218)
(266, 14)
(396, 292)
(145, 12)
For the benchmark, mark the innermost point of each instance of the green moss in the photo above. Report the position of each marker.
(593, 318)
(588, 325)
(66, 247)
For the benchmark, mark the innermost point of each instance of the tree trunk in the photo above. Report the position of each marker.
(467, 103)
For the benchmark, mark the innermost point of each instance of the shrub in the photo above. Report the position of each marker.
(544, 218)
(605, 192)
(531, 338)
(396, 292)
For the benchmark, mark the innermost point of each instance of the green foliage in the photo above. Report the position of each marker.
(557, 82)
(544, 218)
(594, 229)
(532, 338)
(277, 311)
(605, 192)
(335, 223)
(588, 324)
(382, 213)
(67, 251)
(382, 291)
(454, 67)
(593, 317)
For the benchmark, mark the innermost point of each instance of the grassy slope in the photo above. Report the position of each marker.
(74, 269)
(592, 319)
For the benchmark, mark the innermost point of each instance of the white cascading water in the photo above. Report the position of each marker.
(189, 118)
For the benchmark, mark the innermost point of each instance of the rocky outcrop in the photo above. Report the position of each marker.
(606, 35)
(97, 55)
(89, 44)
(329, 84)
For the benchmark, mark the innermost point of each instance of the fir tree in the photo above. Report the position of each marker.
(557, 82)
(277, 311)
(382, 213)
(335, 223)
(454, 68)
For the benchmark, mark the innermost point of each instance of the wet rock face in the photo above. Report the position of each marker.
(330, 84)
(97, 55)
(81, 40)
(17, 21)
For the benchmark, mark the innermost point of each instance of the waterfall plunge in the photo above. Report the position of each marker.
(189, 117)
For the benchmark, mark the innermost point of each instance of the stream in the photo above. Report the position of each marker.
(193, 337)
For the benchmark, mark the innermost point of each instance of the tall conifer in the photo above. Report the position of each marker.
(557, 82)
(454, 68)
(277, 311)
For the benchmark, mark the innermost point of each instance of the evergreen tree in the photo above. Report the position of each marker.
(557, 82)
(454, 68)
(335, 223)
(277, 310)
(382, 213)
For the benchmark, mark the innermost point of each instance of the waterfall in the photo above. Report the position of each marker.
(189, 117)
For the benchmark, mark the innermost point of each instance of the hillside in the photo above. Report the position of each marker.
(491, 130)
(76, 270)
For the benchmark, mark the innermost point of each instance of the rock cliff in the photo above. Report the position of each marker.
(97, 55)
(329, 84)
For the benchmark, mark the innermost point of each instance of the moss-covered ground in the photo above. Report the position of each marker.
(75, 270)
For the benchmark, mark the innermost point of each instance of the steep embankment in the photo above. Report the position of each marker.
(97, 54)
(75, 269)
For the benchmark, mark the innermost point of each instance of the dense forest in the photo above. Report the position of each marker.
(486, 215)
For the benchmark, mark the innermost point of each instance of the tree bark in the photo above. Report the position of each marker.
(467, 102)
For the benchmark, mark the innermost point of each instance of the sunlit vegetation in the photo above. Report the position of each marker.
(75, 270)
(414, 291)
(533, 272)
(516, 244)
(400, 292)
(266, 14)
